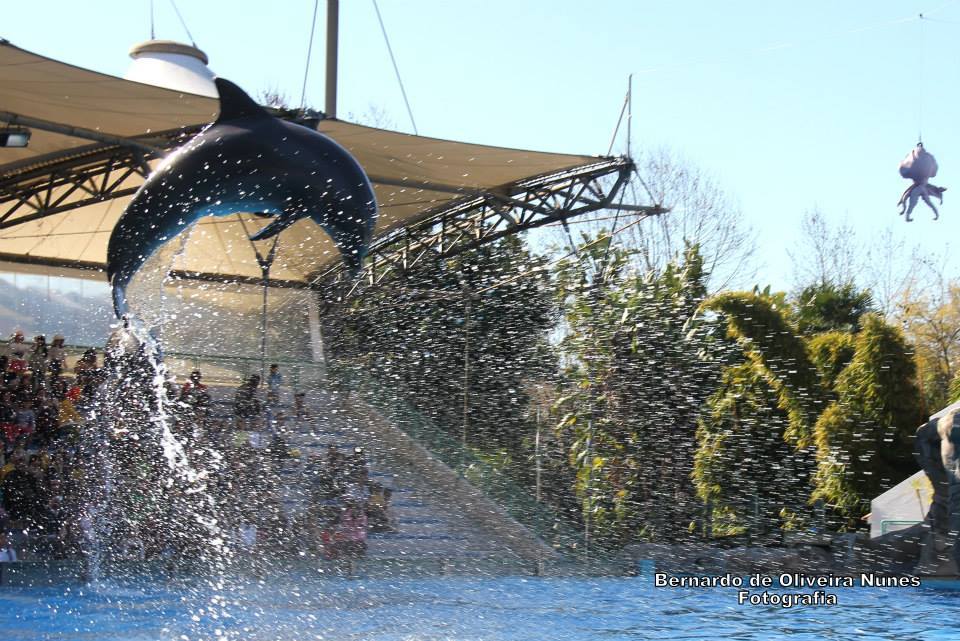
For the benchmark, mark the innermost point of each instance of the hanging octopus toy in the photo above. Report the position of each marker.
(919, 166)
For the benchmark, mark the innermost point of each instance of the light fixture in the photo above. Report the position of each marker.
(14, 137)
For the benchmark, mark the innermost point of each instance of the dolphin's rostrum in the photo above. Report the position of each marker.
(246, 161)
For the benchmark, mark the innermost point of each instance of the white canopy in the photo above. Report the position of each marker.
(60, 196)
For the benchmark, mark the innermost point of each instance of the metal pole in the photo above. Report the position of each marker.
(466, 370)
(265, 270)
(629, 112)
(265, 264)
(536, 453)
(589, 461)
(333, 19)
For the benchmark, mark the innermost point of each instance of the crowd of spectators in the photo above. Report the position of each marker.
(40, 425)
(47, 468)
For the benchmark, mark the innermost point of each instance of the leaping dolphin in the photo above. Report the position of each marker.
(246, 161)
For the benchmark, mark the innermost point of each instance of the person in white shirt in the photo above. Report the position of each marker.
(17, 347)
(57, 353)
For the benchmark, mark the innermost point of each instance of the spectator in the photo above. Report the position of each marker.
(86, 371)
(357, 463)
(8, 418)
(17, 363)
(278, 423)
(378, 508)
(17, 347)
(357, 488)
(38, 360)
(193, 387)
(57, 355)
(9, 378)
(300, 406)
(348, 536)
(274, 381)
(68, 409)
(26, 419)
(25, 388)
(20, 492)
(336, 465)
(246, 406)
(47, 412)
(52, 518)
(195, 398)
(57, 384)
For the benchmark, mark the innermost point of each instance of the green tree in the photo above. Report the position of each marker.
(824, 307)
(864, 435)
(851, 395)
(459, 339)
(744, 466)
(636, 382)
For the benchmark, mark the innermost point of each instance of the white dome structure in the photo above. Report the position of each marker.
(173, 65)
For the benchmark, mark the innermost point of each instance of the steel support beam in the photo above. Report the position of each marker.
(486, 217)
(43, 187)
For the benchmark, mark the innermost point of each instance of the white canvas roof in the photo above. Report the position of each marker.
(70, 108)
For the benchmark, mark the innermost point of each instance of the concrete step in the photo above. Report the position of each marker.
(425, 527)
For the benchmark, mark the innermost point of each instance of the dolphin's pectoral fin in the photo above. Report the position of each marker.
(274, 228)
(235, 103)
(351, 231)
(351, 241)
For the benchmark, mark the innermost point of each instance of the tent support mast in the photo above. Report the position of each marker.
(333, 20)
(265, 263)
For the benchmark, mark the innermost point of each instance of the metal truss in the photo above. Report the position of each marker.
(44, 187)
(485, 217)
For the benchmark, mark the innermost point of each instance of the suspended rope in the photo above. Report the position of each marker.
(306, 68)
(923, 55)
(396, 69)
(920, 166)
(183, 23)
(628, 105)
(153, 34)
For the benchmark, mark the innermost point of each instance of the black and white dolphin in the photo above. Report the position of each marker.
(246, 161)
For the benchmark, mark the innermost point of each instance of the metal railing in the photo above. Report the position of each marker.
(220, 369)
(519, 502)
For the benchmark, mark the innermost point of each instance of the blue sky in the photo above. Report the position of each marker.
(788, 105)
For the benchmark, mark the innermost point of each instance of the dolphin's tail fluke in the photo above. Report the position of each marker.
(119, 300)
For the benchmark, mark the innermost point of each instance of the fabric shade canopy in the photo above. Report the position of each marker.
(75, 114)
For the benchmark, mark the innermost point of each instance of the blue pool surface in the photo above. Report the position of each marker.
(464, 609)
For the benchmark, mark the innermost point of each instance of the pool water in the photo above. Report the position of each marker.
(511, 609)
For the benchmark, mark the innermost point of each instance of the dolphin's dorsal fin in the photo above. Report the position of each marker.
(235, 103)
